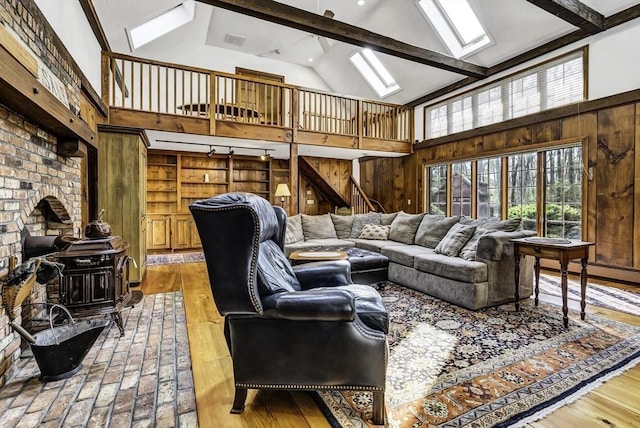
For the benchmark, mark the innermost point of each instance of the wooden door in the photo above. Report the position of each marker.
(181, 228)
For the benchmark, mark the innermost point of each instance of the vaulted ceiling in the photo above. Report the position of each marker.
(282, 38)
(396, 27)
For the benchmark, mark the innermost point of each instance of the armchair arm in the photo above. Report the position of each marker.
(320, 304)
(496, 245)
(323, 274)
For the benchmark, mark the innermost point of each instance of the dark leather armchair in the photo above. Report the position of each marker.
(306, 328)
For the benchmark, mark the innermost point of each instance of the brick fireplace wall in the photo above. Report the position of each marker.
(30, 168)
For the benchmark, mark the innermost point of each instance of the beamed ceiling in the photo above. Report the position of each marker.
(282, 38)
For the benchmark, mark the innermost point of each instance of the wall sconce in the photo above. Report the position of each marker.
(283, 191)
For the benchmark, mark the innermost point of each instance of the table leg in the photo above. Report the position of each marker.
(536, 268)
(516, 270)
(563, 282)
(583, 287)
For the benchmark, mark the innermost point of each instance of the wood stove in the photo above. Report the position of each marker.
(95, 278)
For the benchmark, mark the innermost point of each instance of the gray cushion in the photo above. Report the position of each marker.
(316, 243)
(433, 228)
(404, 227)
(451, 267)
(294, 231)
(455, 239)
(318, 227)
(374, 245)
(404, 254)
(375, 231)
(509, 225)
(468, 252)
(342, 224)
(359, 220)
(387, 219)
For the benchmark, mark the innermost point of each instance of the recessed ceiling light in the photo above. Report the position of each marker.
(310, 59)
(360, 2)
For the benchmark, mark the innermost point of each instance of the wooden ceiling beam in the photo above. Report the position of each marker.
(289, 16)
(575, 13)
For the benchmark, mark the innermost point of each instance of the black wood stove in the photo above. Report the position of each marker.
(95, 278)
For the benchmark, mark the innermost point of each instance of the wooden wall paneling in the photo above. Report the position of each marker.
(294, 183)
(615, 179)
(546, 131)
(516, 137)
(636, 192)
(399, 195)
(586, 126)
(491, 142)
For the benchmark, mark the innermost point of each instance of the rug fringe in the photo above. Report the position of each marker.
(576, 395)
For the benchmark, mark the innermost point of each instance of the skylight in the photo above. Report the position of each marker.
(162, 24)
(456, 24)
(374, 72)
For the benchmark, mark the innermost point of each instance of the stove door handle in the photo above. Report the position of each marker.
(123, 260)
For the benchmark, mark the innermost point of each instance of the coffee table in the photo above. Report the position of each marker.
(306, 256)
(367, 267)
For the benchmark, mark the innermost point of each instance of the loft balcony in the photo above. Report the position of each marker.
(168, 97)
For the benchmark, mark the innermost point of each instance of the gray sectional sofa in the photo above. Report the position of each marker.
(464, 261)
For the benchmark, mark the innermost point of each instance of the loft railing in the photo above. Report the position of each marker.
(158, 87)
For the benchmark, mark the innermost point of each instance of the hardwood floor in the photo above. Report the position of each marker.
(614, 404)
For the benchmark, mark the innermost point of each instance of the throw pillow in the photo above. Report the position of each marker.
(294, 231)
(387, 219)
(359, 220)
(469, 250)
(374, 231)
(509, 225)
(342, 224)
(404, 226)
(318, 227)
(455, 239)
(433, 228)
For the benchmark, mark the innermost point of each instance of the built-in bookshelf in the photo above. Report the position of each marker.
(177, 179)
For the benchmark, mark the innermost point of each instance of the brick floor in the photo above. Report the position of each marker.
(143, 379)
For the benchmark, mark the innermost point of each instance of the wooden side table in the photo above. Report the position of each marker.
(557, 249)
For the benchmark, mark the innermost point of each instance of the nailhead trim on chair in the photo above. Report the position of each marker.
(254, 254)
(307, 387)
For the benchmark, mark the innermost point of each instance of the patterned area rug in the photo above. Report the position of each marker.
(452, 367)
(142, 379)
(597, 295)
(164, 259)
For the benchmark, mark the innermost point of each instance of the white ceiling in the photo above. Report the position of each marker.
(515, 26)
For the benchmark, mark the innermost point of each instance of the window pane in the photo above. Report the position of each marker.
(525, 96)
(437, 121)
(438, 190)
(490, 106)
(563, 193)
(489, 188)
(564, 83)
(522, 188)
(461, 188)
(461, 115)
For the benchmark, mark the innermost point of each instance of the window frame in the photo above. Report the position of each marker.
(503, 82)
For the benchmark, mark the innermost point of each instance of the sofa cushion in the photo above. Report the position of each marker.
(433, 228)
(373, 244)
(387, 219)
(468, 252)
(318, 227)
(374, 231)
(316, 243)
(508, 225)
(359, 220)
(404, 254)
(455, 239)
(404, 227)
(451, 267)
(342, 224)
(294, 231)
